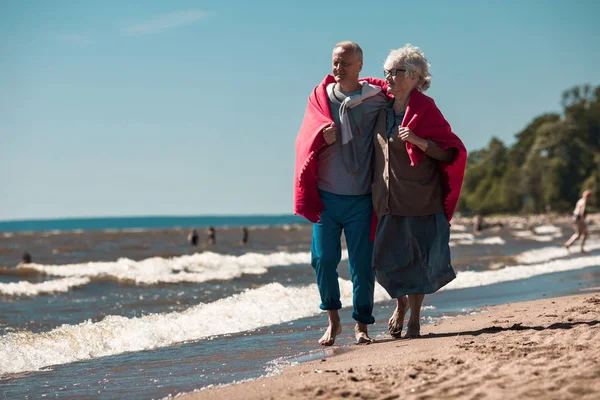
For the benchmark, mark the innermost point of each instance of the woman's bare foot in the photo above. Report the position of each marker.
(397, 319)
(413, 329)
(362, 334)
(334, 329)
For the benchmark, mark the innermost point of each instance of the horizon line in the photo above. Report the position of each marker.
(147, 216)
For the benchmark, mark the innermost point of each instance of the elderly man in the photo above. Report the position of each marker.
(334, 153)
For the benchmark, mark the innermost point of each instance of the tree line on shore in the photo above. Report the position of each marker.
(551, 162)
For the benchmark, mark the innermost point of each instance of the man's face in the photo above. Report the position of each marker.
(345, 65)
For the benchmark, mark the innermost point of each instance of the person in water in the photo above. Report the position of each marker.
(244, 239)
(25, 259)
(193, 237)
(212, 235)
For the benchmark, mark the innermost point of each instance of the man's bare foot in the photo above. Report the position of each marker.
(397, 319)
(362, 334)
(413, 329)
(584, 251)
(334, 329)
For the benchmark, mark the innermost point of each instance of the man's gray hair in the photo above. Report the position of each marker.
(415, 62)
(349, 45)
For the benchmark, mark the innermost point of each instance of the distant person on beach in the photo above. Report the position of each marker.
(211, 235)
(531, 228)
(193, 237)
(332, 189)
(579, 215)
(480, 225)
(419, 169)
(478, 222)
(244, 239)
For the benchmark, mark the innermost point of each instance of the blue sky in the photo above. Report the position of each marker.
(111, 108)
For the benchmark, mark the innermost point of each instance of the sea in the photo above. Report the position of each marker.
(114, 308)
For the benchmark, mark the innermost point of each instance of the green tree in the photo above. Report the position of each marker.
(551, 162)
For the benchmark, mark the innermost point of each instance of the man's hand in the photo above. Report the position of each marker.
(330, 134)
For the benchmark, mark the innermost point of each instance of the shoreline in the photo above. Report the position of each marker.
(294, 221)
(546, 349)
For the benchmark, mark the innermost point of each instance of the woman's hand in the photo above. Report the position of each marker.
(330, 134)
(409, 136)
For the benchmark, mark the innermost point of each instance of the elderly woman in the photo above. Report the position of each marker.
(419, 168)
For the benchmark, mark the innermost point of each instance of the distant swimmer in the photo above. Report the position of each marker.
(244, 239)
(212, 237)
(25, 259)
(193, 237)
(579, 215)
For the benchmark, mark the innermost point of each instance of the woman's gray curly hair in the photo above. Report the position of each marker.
(414, 61)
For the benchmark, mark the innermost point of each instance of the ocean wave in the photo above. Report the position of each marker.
(552, 253)
(25, 288)
(22, 270)
(467, 279)
(542, 233)
(268, 305)
(194, 268)
(255, 308)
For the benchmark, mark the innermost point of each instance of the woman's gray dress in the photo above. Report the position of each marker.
(411, 250)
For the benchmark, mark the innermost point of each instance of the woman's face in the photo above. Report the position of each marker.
(397, 80)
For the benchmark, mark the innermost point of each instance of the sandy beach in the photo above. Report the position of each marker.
(544, 349)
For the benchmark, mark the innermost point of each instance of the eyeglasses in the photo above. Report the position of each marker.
(392, 72)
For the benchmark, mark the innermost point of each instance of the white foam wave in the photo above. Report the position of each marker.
(24, 288)
(542, 238)
(543, 233)
(458, 228)
(461, 236)
(548, 230)
(492, 240)
(551, 253)
(268, 305)
(189, 268)
(467, 279)
(530, 235)
(53, 232)
(470, 239)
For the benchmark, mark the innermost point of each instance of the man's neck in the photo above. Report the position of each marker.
(349, 87)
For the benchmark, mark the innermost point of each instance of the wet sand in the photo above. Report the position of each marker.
(544, 349)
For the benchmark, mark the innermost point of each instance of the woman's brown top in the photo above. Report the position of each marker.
(399, 188)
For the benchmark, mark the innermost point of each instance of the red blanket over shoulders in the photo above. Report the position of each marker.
(422, 117)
